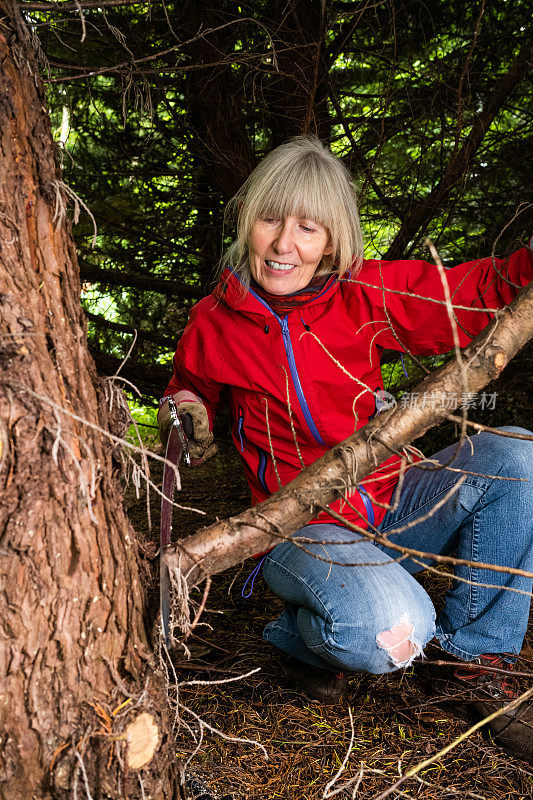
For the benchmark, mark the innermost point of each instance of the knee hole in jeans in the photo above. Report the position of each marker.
(399, 643)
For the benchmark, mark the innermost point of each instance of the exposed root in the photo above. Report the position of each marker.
(61, 206)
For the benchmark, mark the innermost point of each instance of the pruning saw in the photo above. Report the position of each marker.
(177, 448)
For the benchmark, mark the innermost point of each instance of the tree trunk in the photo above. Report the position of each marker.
(297, 92)
(220, 137)
(223, 544)
(72, 603)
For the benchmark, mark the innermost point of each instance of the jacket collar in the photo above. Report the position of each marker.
(231, 291)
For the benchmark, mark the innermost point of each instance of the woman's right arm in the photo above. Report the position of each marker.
(194, 391)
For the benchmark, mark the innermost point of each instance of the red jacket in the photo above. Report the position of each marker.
(324, 359)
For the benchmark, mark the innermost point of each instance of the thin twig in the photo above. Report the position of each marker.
(223, 735)
(84, 773)
(455, 307)
(289, 409)
(455, 334)
(72, 5)
(327, 793)
(513, 673)
(459, 578)
(89, 73)
(497, 431)
(91, 425)
(272, 454)
(408, 551)
(200, 611)
(423, 764)
(217, 682)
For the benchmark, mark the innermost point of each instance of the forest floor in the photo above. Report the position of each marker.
(398, 720)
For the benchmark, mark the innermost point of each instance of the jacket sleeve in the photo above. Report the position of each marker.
(192, 369)
(406, 299)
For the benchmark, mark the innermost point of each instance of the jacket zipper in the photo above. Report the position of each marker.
(305, 408)
(289, 352)
(240, 423)
(296, 380)
(261, 468)
(262, 456)
(301, 396)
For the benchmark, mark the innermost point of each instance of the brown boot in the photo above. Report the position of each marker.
(484, 692)
(319, 684)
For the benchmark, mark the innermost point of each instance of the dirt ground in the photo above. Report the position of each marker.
(398, 720)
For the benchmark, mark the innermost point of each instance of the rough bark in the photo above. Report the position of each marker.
(226, 543)
(71, 604)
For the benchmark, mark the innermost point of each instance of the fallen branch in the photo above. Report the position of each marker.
(220, 546)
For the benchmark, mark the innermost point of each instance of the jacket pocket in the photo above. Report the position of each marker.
(261, 468)
(262, 456)
(240, 426)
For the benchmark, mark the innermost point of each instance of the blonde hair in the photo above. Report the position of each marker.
(301, 178)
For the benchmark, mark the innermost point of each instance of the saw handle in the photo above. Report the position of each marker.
(185, 418)
(186, 421)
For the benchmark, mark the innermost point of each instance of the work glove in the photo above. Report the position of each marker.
(195, 424)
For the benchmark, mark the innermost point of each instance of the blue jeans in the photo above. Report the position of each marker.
(375, 616)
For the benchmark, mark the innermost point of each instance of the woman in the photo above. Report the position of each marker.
(293, 335)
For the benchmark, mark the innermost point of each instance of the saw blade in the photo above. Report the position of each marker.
(175, 447)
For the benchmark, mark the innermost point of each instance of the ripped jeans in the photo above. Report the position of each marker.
(375, 616)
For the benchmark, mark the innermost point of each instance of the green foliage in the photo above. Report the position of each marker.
(163, 108)
(145, 423)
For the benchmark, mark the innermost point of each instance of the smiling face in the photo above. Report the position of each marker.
(284, 253)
